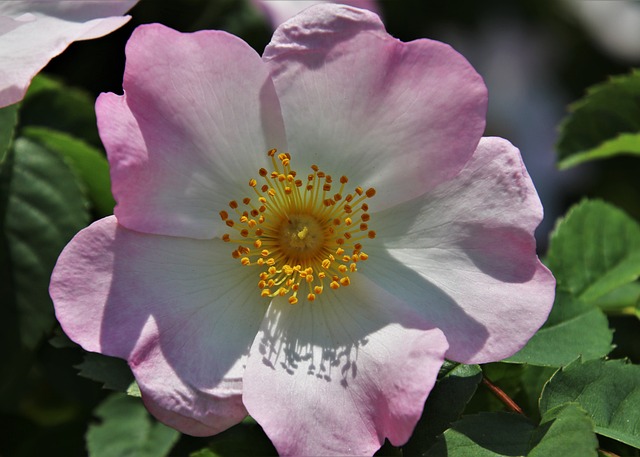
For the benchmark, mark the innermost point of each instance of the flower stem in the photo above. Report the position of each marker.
(502, 396)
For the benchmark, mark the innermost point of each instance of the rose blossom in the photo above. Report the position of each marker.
(303, 237)
(33, 32)
(278, 11)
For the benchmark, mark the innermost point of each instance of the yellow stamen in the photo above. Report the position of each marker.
(303, 235)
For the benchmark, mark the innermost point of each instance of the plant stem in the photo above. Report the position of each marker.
(502, 396)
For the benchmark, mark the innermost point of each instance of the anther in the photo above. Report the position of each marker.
(298, 232)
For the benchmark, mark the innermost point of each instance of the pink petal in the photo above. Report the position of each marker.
(181, 311)
(33, 32)
(336, 377)
(278, 11)
(402, 117)
(200, 114)
(464, 255)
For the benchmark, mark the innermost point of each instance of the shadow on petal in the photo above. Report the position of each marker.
(326, 338)
(507, 254)
(184, 314)
(433, 304)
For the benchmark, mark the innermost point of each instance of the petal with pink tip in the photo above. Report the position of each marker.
(33, 32)
(464, 256)
(337, 376)
(181, 311)
(202, 113)
(401, 117)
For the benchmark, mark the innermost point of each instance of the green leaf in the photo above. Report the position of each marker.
(127, 429)
(134, 389)
(41, 208)
(45, 210)
(245, 439)
(8, 121)
(203, 453)
(49, 103)
(604, 123)
(112, 372)
(625, 299)
(608, 390)
(556, 345)
(88, 162)
(485, 435)
(563, 432)
(624, 143)
(456, 385)
(594, 251)
(533, 380)
(60, 340)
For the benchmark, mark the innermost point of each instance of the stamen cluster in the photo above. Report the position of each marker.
(301, 234)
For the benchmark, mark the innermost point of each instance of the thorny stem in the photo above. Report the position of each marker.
(513, 406)
(502, 396)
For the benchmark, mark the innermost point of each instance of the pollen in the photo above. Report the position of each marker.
(299, 236)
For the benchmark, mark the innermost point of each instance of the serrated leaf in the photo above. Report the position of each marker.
(447, 400)
(485, 435)
(587, 335)
(533, 380)
(564, 432)
(594, 251)
(608, 390)
(89, 163)
(604, 123)
(113, 373)
(45, 210)
(49, 103)
(8, 121)
(41, 208)
(127, 429)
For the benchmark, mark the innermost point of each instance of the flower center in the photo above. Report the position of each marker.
(301, 236)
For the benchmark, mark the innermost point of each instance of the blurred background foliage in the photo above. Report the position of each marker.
(536, 56)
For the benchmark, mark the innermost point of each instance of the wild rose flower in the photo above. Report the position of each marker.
(33, 32)
(303, 237)
(278, 11)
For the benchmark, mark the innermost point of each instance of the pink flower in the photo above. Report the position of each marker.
(317, 288)
(33, 32)
(278, 11)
